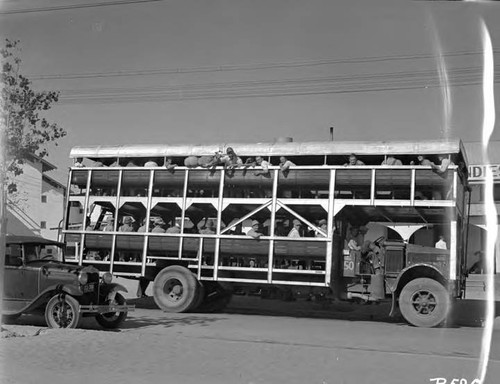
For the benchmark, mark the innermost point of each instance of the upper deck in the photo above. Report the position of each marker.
(319, 172)
(333, 153)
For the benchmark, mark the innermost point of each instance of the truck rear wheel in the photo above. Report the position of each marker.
(424, 302)
(216, 297)
(200, 296)
(175, 289)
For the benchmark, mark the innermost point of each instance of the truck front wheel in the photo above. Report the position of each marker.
(424, 302)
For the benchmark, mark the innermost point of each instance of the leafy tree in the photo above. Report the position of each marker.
(26, 130)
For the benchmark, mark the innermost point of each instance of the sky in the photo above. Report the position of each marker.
(229, 71)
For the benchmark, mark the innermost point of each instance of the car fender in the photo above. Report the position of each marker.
(414, 271)
(45, 296)
(113, 287)
(109, 291)
(70, 289)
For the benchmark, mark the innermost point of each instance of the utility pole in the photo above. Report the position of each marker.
(3, 200)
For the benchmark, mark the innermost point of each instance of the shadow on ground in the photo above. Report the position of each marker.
(465, 313)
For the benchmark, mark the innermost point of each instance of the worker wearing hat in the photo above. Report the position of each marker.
(295, 231)
(110, 224)
(158, 224)
(256, 230)
(322, 225)
(127, 225)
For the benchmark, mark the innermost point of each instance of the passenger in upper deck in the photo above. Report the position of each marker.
(322, 225)
(443, 167)
(176, 228)
(353, 160)
(296, 230)
(116, 163)
(256, 231)
(265, 166)
(279, 229)
(110, 225)
(209, 228)
(127, 225)
(142, 228)
(88, 225)
(169, 164)
(422, 160)
(250, 162)
(210, 161)
(158, 224)
(231, 160)
(78, 162)
(285, 165)
(131, 163)
(391, 160)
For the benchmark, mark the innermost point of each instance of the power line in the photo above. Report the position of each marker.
(76, 6)
(273, 88)
(245, 67)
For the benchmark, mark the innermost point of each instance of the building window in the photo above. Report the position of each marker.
(44, 199)
(43, 224)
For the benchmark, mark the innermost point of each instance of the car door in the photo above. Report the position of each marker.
(14, 276)
(30, 287)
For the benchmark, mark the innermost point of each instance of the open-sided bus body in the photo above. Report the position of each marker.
(311, 221)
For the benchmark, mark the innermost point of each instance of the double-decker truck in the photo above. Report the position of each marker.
(199, 223)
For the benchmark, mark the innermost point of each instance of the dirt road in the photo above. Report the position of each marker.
(252, 342)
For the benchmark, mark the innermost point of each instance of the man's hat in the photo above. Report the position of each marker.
(158, 221)
(322, 222)
(255, 222)
(296, 222)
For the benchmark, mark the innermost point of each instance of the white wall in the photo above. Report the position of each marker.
(25, 212)
(52, 210)
(23, 208)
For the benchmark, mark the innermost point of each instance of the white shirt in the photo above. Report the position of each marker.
(441, 244)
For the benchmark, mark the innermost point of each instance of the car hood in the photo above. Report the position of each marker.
(56, 266)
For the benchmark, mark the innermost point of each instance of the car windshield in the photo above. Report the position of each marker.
(34, 252)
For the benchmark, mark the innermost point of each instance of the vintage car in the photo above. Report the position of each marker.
(37, 280)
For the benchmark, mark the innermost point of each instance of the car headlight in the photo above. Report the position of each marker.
(107, 278)
(83, 278)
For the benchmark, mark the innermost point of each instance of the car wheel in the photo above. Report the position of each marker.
(175, 289)
(62, 311)
(424, 302)
(113, 320)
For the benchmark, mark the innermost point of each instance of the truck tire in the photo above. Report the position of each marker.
(200, 297)
(62, 312)
(175, 289)
(424, 302)
(112, 320)
(216, 297)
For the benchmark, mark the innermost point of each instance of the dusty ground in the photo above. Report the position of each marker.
(254, 341)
